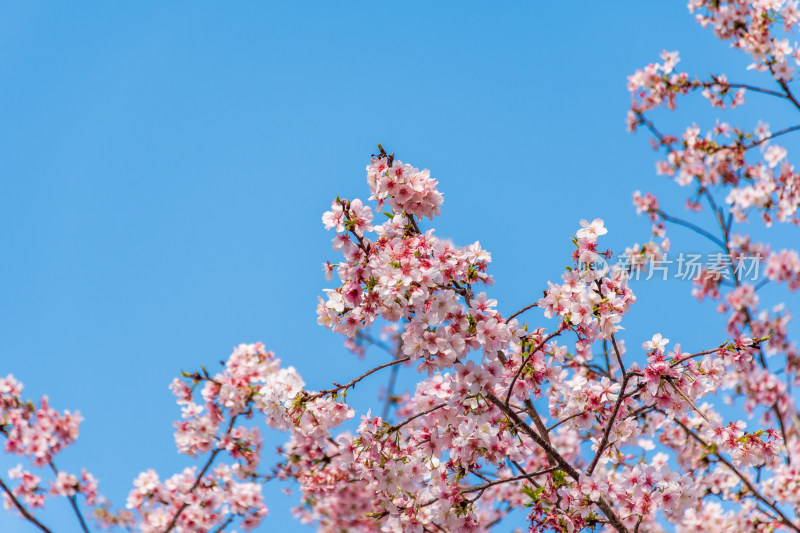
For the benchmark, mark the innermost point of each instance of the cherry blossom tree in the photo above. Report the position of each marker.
(551, 417)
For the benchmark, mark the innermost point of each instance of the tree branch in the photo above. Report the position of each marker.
(552, 453)
(21, 508)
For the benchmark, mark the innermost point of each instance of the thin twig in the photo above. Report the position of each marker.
(409, 419)
(553, 454)
(531, 306)
(352, 382)
(525, 362)
(507, 480)
(604, 441)
(73, 502)
(693, 227)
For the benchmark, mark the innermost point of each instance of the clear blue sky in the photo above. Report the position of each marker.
(165, 165)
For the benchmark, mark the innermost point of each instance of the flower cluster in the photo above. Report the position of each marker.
(749, 27)
(38, 434)
(405, 188)
(722, 156)
(403, 273)
(471, 444)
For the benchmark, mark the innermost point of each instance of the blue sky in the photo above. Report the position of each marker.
(165, 166)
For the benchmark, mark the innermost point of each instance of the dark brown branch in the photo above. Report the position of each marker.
(21, 508)
(553, 454)
(748, 88)
(531, 306)
(525, 362)
(618, 354)
(788, 92)
(531, 411)
(202, 473)
(772, 136)
(602, 445)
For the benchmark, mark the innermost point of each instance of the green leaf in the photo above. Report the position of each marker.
(527, 490)
(560, 478)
